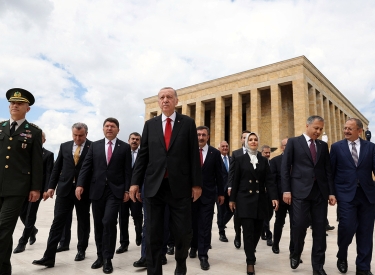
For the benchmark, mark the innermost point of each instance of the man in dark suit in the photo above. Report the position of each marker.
(135, 208)
(30, 209)
(224, 214)
(284, 208)
(173, 178)
(65, 176)
(368, 134)
(21, 168)
(353, 162)
(236, 220)
(203, 208)
(307, 184)
(109, 163)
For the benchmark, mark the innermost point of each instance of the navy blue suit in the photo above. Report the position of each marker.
(355, 193)
(224, 214)
(203, 208)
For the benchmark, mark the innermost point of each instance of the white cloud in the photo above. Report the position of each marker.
(87, 60)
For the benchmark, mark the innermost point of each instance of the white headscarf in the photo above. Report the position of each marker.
(252, 153)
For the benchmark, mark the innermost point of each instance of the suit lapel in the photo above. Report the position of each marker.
(176, 128)
(252, 170)
(69, 151)
(345, 149)
(84, 152)
(115, 150)
(362, 152)
(319, 147)
(208, 157)
(303, 143)
(158, 129)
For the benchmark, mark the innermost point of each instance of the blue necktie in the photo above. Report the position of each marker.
(226, 163)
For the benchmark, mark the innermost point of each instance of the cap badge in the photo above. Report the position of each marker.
(17, 94)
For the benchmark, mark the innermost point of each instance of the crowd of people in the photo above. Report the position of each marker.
(169, 180)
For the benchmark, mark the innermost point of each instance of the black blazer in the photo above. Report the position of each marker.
(275, 165)
(225, 173)
(181, 160)
(251, 187)
(47, 168)
(235, 154)
(65, 171)
(116, 173)
(298, 171)
(212, 178)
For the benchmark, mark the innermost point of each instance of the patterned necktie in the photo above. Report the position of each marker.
(354, 153)
(13, 128)
(313, 150)
(201, 155)
(109, 152)
(132, 158)
(226, 163)
(168, 132)
(76, 154)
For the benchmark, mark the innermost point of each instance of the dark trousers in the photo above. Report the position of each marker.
(356, 217)
(202, 215)
(252, 229)
(317, 206)
(179, 224)
(224, 214)
(135, 208)
(28, 218)
(63, 209)
(280, 216)
(67, 232)
(237, 225)
(105, 212)
(10, 208)
(167, 236)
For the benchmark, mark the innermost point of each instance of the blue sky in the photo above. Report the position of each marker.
(87, 60)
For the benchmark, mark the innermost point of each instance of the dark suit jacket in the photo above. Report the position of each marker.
(298, 171)
(65, 171)
(21, 163)
(275, 165)
(47, 168)
(251, 187)
(225, 173)
(346, 175)
(181, 160)
(116, 173)
(235, 154)
(212, 179)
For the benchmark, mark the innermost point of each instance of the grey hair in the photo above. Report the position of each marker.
(357, 121)
(79, 126)
(169, 88)
(311, 119)
(264, 147)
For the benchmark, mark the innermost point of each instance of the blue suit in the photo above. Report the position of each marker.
(355, 193)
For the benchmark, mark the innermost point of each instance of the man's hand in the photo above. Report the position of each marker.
(45, 196)
(79, 191)
(133, 191)
(220, 199)
(332, 200)
(275, 204)
(287, 198)
(50, 193)
(196, 192)
(126, 196)
(232, 206)
(34, 196)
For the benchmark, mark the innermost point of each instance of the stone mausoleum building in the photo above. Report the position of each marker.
(273, 100)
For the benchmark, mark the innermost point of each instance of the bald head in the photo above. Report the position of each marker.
(224, 148)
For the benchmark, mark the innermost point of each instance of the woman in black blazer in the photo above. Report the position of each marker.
(252, 180)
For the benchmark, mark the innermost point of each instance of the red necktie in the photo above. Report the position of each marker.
(109, 152)
(201, 155)
(313, 150)
(168, 132)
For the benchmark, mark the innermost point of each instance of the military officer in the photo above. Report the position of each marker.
(21, 168)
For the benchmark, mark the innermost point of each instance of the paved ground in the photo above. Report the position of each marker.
(224, 257)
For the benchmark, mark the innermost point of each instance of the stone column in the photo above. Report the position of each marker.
(276, 109)
(339, 126)
(333, 122)
(327, 121)
(255, 109)
(236, 121)
(185, 109)
(319, 105)
(219, 120)
(199, 113)
(300, 105)
(312, 101)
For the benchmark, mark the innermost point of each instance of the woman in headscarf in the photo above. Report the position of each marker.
(252, 180)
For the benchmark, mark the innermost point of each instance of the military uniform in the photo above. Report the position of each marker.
(21, 171)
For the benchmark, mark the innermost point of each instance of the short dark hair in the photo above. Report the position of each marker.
(358, 122)
(204, 128)
(134, 134)
(245, 131)
(113, 120)
(311, 119)
(79, 126)
(264, 147)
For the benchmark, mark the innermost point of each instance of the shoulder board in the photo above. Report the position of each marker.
(36, 126)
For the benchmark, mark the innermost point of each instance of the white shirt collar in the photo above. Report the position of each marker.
(357, 141)
(164, 117)
(113, 141)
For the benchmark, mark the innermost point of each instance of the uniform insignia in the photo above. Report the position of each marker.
(4, 122)
(17, 94)
(24, 145)
(27, 131)
(36, 126)
(26, 126)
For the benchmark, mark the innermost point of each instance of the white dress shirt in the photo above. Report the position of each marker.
(19, 122)
(107, 145)
(75, 148)
(204, 152)
(357, 146)
(164, 120)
